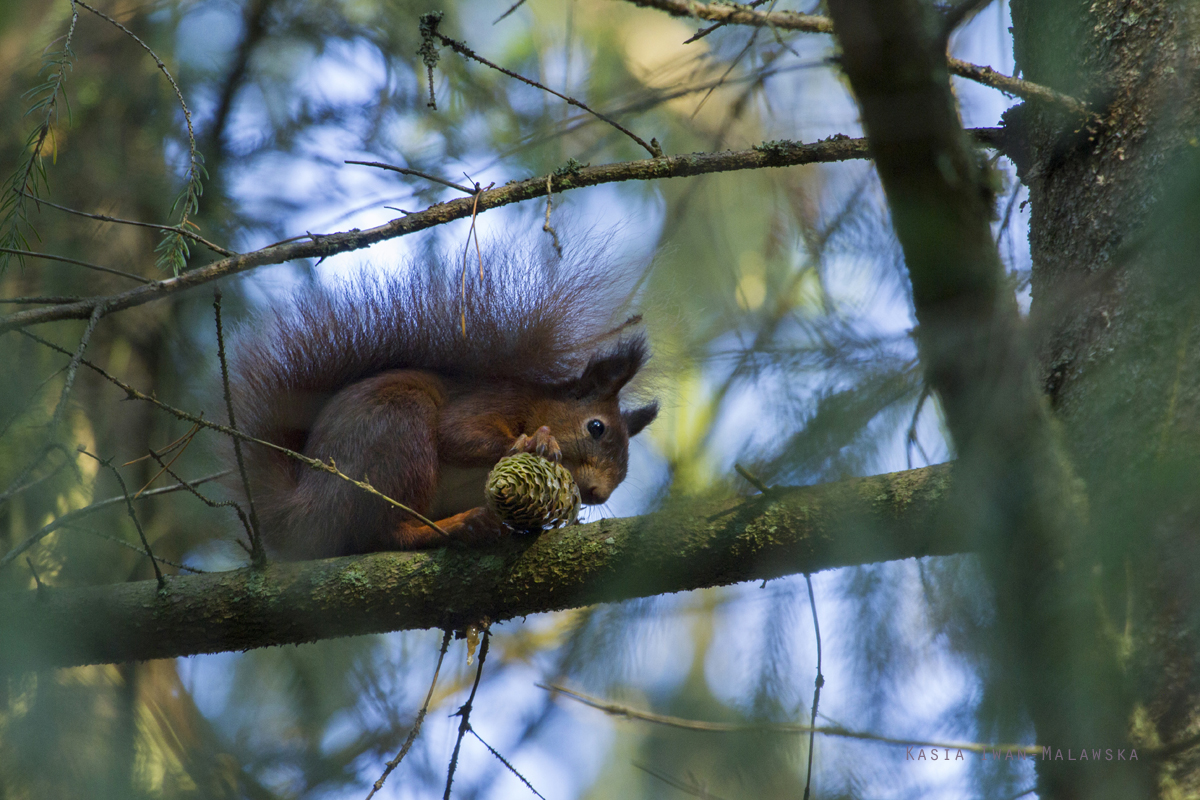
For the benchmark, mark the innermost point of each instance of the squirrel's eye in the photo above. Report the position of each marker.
(596, 428)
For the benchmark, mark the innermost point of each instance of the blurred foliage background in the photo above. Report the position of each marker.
(776, 302)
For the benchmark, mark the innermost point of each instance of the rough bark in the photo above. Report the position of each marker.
(1113, 241)
(1019, 493)
(691, 546)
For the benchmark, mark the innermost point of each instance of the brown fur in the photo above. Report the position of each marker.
(378, 375)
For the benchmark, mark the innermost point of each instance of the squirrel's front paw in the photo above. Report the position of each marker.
(479, 526)
(476, 527)
(542, 443)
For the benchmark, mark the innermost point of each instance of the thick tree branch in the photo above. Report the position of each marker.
(1026, 90)
(768, 154)
(690, 546)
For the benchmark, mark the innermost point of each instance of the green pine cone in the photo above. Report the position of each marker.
(531, 493)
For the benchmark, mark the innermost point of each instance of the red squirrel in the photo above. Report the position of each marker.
(420, 382)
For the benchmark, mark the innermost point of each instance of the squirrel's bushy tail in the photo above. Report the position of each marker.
(517, 317)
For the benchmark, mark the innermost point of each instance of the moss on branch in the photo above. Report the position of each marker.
(691, 545)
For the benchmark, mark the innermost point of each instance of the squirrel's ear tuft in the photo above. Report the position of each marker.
(639, 418)
(605, 375)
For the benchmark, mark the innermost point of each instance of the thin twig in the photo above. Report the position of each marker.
(510, 10)
(61, 407)
(15, 213)
(817, 684)
(51, 257)
(728, 69)
(792, 21)
(321, 466)
(428, 50)
(472, 231)
(19, 483)
(416, 728)
(138, 223)
(683, 786)
(737, 14)
(751, 479)
(651, 98)
(37, 579)
(135, 548)
(162, 68)
(504, 761)
(258, 556)
(180, 444)
(162, 582)
(50, 300)
(700, 34)
(613, 709)
(911, 438)
(170, 448)
(738, 106)
(653, 149)
(464, 713)
(67, 519)
(190, 195)
(546, 225)
(415, 172)
(1017, 87)
(22, 483)
(210, 503)
(305, 235)
(1008, 209)
(73, 367)
(29, 400)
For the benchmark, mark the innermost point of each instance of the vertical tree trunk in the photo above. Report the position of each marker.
(1112, 323)
(1115, 311)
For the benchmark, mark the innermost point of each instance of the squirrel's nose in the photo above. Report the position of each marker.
(592, 493)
